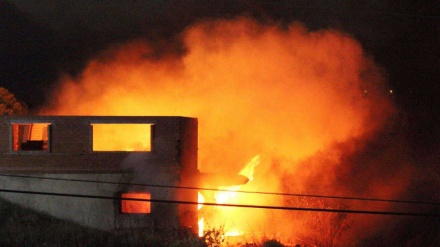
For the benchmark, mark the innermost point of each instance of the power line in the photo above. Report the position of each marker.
(223, 190)
(327, 210)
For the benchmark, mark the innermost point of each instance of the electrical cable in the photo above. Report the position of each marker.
(223, 190)
(327, 210)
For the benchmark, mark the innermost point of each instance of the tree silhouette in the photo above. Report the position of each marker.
(9, 105)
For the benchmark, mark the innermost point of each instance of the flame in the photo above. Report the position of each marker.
(249, 169)
(201, 225)
(226, 195)
(229, 194)
(287, 92)
(200, 201)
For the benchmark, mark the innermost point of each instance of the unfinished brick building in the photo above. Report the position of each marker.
(106, 156)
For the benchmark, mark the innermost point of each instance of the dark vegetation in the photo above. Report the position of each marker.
(24, 227)
(9, 105)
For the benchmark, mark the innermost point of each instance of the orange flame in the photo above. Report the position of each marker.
(231, 196)
(287, 93)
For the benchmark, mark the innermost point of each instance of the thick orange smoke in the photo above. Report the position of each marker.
(283, 93)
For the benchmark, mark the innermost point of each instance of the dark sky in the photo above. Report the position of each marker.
(39, 40)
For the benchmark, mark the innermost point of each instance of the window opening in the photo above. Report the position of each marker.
(134, 206)
(121, 137)
(30, 137)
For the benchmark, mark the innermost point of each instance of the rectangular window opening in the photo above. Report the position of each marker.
(30, 137)
(121, 137)
(136, 206)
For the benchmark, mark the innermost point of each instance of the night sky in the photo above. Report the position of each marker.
(40, 40)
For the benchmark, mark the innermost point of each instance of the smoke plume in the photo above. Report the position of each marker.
(304, 101)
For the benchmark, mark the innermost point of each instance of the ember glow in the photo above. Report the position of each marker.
(285, 94)
(133, 206)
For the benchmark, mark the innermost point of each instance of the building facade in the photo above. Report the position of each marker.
(103, 172)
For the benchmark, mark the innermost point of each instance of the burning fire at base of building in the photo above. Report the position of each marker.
(226, 193)
(281, 109)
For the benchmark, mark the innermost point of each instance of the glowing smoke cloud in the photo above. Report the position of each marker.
(284, 93)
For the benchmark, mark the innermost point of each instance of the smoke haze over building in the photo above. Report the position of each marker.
(338, 99)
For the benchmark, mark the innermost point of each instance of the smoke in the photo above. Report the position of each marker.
(289, 91)
(306, 102)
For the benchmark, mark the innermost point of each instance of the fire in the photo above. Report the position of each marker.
(201, 222)
(286, 92)
(201, 200)
(230, 195)
(226, 196)
(221, 215)
(132, 206)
